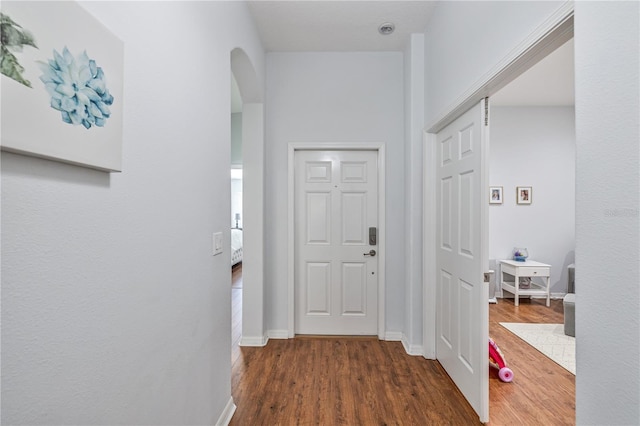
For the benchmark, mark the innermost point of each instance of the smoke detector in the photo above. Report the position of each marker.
(386, 28)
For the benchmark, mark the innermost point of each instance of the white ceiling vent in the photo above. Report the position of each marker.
(386, 28)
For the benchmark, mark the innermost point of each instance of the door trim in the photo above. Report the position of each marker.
(429, 306)
(380, 149)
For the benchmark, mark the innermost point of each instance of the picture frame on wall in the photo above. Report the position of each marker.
(62, 85)
(524, 194)
(495, 195)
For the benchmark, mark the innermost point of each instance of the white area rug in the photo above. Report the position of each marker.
(548, 339)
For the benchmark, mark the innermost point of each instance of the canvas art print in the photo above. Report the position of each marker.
(61, 84)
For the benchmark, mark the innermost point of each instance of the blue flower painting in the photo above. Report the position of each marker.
(77, 88)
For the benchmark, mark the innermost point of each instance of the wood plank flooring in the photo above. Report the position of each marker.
(342, 381)
(364, 381)
(236, 311)
(542, 392)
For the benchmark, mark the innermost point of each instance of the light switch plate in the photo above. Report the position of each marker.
(217, 243)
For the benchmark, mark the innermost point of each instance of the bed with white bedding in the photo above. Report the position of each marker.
(236, 246)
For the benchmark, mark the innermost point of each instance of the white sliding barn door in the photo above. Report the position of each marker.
(462, 320)
(336, 267)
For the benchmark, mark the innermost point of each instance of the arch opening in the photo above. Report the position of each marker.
(252, 163)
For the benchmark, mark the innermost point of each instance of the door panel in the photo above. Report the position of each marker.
(354, 289)
(354, 171)
(336, 202)
(318, 288)
(467, 226)
(354, 218)
(318, 171)
(462, 317)
(318, 219)
(446, 190)
(445, 326)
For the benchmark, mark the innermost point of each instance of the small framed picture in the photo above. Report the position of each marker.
(524, 194)
(495, 195)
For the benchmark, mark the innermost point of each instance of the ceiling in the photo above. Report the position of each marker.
(550, 82)
(338, 26)
(328, 25)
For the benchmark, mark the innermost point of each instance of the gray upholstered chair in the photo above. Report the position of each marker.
(569, 303)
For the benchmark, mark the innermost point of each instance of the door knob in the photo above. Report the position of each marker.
(371, 253)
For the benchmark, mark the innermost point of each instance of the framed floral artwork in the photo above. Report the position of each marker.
(495, 195)
(62, 86)
(524, 194)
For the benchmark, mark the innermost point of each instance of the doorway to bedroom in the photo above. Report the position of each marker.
(533, 148)
(236, 218)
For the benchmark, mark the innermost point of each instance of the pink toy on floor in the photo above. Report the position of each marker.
(496, 359)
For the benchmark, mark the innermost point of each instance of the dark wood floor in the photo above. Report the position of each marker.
(236, 311)
(365, 381)
(542, 392)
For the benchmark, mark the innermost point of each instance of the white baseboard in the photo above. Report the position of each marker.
(413, 350)
(429, 355)
(558, 295)
(278, 334)
(393, 336)
(553, 296)
(227, 413)
(398, 336)
(254, 341)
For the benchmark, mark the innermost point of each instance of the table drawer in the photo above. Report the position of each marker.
(533, 272)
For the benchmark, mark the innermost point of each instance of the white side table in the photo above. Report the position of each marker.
(528, 268)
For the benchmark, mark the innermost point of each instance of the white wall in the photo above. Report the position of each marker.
(534, 146)
(607, 176)
(466, 39)
(607, 36)
(332, 97)
(414, 123)
(236, 139)
(113, 309)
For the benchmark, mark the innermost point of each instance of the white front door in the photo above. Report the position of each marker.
(462, 320)
(336, 267)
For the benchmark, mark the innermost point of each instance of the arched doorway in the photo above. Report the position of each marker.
(253, 328)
